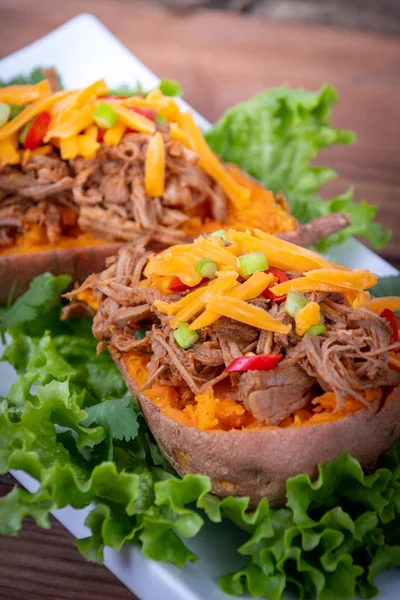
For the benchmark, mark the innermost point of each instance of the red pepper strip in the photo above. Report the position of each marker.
(260, 362)
(388, 315)
(280, 276)
(177, 285)
(100, 134)
(37, 131)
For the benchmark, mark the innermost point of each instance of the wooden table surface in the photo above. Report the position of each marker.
(220, 59)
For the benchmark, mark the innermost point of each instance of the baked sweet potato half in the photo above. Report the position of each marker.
(81, 172)
(253, 359)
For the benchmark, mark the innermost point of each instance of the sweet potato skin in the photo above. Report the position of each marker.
(79, 262)
(257, 463)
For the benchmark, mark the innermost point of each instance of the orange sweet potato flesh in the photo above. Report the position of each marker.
(257, 462)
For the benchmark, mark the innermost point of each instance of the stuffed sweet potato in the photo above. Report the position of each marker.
(253, 359)
(81, 171)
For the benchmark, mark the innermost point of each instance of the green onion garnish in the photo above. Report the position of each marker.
(104, 116)
(24, 133)
(170, 87)
(140, 334)
(5, 111)
(250, 263)
(15, 110)
(294, 303)
(220, 233)
(316, 330)
(207, 268)
(160, 120)
(185, 338)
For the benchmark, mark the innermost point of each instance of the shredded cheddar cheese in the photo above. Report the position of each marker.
(24, 94)
(353, 280)
(69, 147)
(8, 150)
(239, 310)
(134, 120)
(308, 316)
(279, 253)
(237, 194)
(251, 288)
(114, 135)
(378, 305)
(154, 168)
(41, 104)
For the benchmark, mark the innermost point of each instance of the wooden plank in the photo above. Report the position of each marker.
(223, 58)
(220, 59)
(44, 564)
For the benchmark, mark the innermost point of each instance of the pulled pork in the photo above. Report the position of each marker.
(106, 197)
(107, 194)
(349, 359)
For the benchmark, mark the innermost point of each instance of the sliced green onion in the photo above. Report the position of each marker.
(207, 268)
(104, 116)
(24, 133)
(15, 110)
(316, 330)
(170, 87)
(184, 337)
(294, 303)
(220, 233)
(5, 112)
(250, 263)
(140, 334)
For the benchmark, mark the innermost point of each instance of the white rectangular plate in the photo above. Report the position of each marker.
(83, 50)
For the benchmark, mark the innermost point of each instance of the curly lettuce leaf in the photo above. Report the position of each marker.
(275, 136)
(332, 539)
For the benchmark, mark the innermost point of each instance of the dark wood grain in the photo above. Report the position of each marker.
(45, 565)
(220, 58)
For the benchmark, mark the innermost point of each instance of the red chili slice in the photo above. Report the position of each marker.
(39, 128)
(280, 276)
(100, 134)
(258, 362)
(388, 315)
(177, 285)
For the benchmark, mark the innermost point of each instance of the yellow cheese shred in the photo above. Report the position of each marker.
(327, 280)
(308, 316)
(378, 305)
(239, 310)
(248, 290)
(210, 163)
(133, 120)
(114, 135)
(24, 94)
(69, 147)
(218, 287)
(154, 168)
(40, 105)
(78, 120)
(354, 280)
(8, 150)
(279, 253)
(87, 146)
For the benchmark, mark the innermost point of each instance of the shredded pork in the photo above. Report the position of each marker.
(106, 197)
(350, 359)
